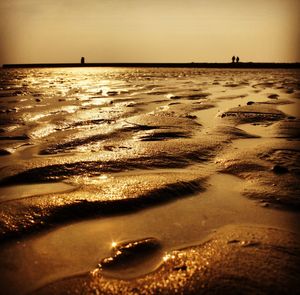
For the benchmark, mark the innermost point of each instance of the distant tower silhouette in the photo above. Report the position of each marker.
(82, 61)
(233, 59)
(237, 59)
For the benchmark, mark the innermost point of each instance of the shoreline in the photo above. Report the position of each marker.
(240, 65)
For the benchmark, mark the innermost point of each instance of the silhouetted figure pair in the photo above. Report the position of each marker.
(82, 61)
(237, 59)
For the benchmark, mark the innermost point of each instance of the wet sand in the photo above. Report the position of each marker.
(149, 181)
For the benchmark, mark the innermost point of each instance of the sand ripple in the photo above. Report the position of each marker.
(100, 142)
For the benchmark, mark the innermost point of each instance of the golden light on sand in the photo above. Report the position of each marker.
(172, 184)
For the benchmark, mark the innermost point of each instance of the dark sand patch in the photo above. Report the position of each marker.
(232, 132)
(229, 97)
(76, 143)
(277, 102)
(4, 152)
(16, 137)
(264, 85)
(273, 96)
(253, 113)
(162, 135)
(184, 108)
(190, 95)
(232, 85)
(91, 122)
(162, 119)
(237, 259)
(201, 95)
(289, 129)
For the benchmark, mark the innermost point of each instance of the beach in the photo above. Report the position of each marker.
(149, 181)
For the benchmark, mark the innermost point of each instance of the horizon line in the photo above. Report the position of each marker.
(160, 64)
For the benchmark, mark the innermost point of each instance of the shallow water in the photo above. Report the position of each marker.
(79, 146)
(77, 248)
(22, 191)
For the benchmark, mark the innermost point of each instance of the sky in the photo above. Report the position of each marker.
(50, 31)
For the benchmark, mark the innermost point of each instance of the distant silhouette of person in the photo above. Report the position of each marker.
(82, 60)
(237, 59)
(233, 59)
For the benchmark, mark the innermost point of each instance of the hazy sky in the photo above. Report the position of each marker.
(149, 30)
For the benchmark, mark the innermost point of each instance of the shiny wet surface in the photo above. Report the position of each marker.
(78, 142)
